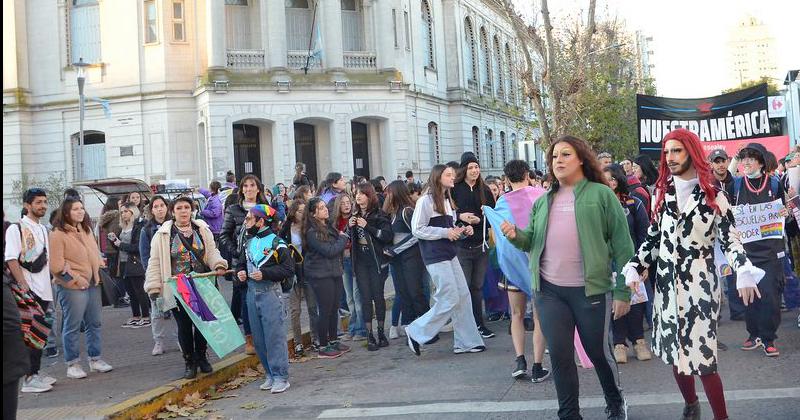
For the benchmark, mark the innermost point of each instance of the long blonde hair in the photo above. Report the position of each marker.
(135, 214)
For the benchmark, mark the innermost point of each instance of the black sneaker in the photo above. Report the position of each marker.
(51, 352)
(476, 349)
(485, 332)
(413, 345)
(521, 369)
(619, 412)
(539, 374)
(494, 317)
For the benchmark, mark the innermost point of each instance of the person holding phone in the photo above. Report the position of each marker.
(183, 245)
(75, 264)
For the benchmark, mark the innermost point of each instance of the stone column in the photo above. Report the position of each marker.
(330, 11)
(215, 34)
(273, 32)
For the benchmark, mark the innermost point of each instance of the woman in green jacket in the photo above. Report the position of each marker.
(575, 233)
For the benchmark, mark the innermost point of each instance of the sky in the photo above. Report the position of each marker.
(690, 36)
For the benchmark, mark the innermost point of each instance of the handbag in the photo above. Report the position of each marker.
(34, 324)
(134, 267)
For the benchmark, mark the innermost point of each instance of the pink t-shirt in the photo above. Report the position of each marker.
(562, 261)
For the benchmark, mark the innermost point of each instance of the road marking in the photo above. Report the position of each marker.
(634, 400)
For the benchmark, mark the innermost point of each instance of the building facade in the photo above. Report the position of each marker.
(751, 52)
(189, 89)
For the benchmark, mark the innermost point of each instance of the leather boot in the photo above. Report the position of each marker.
(202, 362)
(248, 345)
(372, 345)
(382, 341)
(191, 367)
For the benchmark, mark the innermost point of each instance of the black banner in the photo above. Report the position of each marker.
(732, 116)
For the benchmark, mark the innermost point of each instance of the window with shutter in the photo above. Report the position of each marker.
(433, 139)
(486, 63)
(427, 35)
(298, 24)
(238, 29)
(490, 147)
(498, 69)
(476, 143)
(469, 50)
(84, 31)
(352, 26)
(503, 151)
(511, 90)
(150, 22)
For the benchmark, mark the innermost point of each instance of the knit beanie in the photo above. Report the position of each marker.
(467, 158)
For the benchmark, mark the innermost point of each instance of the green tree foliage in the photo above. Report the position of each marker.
(772, 87)
(54, 184)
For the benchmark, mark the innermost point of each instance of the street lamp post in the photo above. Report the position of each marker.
(81, 66)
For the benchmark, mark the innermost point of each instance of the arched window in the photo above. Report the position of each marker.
(498, 69)
(476, 143)
(490, 146)
(503, 149)
(486, 63)
(511, 91)
(433, 139)
(427, 35)
(514, 146)
(93, 156)
(469, 51)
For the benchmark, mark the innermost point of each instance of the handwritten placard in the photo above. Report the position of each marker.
(756, 222)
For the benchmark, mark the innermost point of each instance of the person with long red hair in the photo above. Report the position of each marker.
(689, 218)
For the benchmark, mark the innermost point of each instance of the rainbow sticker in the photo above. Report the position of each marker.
(772, 230)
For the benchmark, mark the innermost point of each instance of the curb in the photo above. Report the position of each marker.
(153, 401)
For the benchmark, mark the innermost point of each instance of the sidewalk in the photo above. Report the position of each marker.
(135, 369)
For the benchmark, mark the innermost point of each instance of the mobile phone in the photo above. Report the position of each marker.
(67, 277)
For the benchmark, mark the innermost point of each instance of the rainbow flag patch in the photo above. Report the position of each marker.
(772, 230)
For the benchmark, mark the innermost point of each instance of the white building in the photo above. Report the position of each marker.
(198, 87)
(752, 52)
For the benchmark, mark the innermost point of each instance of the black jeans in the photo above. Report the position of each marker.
(562, 309)
(193, 344)
(36, 355)
(328, 291)
(10, 399)
(474, 262)
(629, 327)
(239, 304)
(409, 272)
(371, 282)
(140, 302)
(763, 316)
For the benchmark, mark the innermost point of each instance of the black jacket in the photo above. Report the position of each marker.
(132, 248)
(286, 235)
(232, 237)
(468, 200)
(323, 259)
(379, 235)
(275, 271)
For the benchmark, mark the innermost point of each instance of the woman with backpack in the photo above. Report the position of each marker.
(371, 232)
(182, 246)
(265, 263)
(323, 249)
(232, 239)
(406, 260)
(292, 233)
(130, 264)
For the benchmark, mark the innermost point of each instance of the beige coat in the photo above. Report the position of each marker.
(79, 249)
(159, 268)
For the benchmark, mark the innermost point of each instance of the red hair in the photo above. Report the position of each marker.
(692, 145)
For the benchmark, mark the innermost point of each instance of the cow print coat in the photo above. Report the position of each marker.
(687, 291)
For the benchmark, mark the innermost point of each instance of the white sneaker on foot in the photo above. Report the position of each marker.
(158, 349)
(98, 365)
(279, 386)
(34, 384)
(75, 371)
(49, 380)
(393, 333)
(267, 385)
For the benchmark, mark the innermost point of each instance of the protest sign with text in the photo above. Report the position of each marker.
(761, 221)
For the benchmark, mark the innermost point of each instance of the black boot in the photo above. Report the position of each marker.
(372, 345)
(202, 363)
(382, 341)
(691, 411)
(191, 367)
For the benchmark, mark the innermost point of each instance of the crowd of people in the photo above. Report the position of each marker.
(597, 236)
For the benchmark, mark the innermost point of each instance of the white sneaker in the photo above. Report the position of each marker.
(34, 384)
(75, 371)
(267, 385)
(279, 386)
(393, 333)
(401, 329)
(98, 365)
(447, 327)
(49, 380)
(158, 349)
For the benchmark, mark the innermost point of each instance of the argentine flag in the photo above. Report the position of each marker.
(514, 207)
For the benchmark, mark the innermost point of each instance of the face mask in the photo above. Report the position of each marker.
(252, 230)
(754, 176)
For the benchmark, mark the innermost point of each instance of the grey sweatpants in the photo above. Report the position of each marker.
(451, 301)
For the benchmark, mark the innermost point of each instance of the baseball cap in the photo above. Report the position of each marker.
(718, 153)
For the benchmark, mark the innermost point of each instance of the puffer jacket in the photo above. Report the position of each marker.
(323, 259)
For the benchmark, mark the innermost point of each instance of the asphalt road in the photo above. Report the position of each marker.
(393, 383)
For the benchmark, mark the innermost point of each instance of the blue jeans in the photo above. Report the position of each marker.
(398, 301)
(80, 306)
(267, 313)
(353, 300)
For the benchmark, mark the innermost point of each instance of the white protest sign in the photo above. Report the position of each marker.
(756, 222)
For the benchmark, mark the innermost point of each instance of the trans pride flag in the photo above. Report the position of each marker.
(514, 207)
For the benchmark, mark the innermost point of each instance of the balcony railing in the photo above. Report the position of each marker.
(299, 60)
(472, 85)
(246, 59)
(487, 89)
(360, 60)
